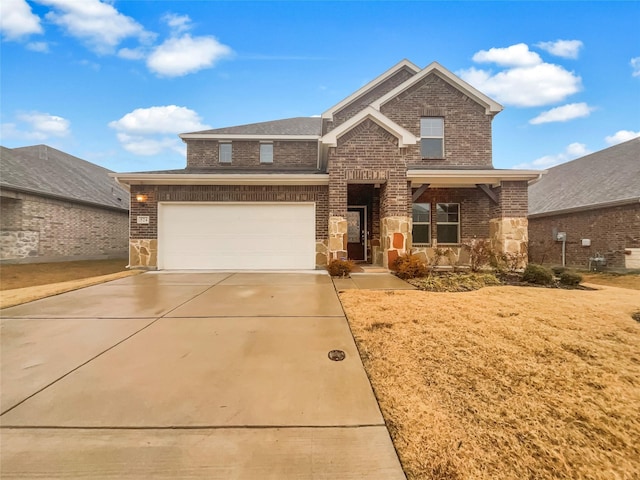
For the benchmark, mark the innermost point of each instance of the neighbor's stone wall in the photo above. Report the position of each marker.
(40, 229)
(246, 155)
(217, 193)
(612, 232)
(360, 103)
(467, 127)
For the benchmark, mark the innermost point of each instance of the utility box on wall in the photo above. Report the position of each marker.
(561, 236)
(586, 242)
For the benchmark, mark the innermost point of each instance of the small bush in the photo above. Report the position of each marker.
(409, 266)
(572, 279)
(537, 274)
(340, 267)
(557, 271)
(480, 253)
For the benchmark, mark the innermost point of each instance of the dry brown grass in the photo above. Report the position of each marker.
(505, 382)
(613, 280)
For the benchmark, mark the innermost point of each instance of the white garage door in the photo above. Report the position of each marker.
(236, 236)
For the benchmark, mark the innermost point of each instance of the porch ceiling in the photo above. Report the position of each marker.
(470, 178)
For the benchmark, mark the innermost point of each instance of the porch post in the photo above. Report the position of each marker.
(508, 229)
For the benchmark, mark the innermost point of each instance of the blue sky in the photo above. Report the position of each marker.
(115, 82)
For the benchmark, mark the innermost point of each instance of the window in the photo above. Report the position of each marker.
(448, 222)
(432, 137)
(421, 223)
(266, 153)
(225, 152)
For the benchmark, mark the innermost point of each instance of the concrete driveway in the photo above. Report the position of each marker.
(189, 375)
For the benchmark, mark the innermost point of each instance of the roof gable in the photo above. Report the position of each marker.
(46, 171)
(404, 64)
(404, 136)
(603, 178)
(491, 106)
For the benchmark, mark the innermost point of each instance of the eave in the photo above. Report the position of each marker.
(586, 208)
(242, 136)
(128, 179)
(449, 178)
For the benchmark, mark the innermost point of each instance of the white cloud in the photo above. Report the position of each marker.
(17, 20)
(42, 47)
(533, 86)
(517, 55)
(132, 53)
(97, 23)
(145, 131)
(635, 65)
(573, 151)
(183, 55)
(563, 113)
(562, 48)
(36, 126)
(177, 23)
(621, 136)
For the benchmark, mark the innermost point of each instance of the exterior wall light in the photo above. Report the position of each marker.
(140, 197)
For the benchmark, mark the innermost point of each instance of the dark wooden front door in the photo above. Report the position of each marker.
(356, 233)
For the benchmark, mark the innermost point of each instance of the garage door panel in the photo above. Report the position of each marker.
(236, 236)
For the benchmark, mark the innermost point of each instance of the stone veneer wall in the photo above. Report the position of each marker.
(143, 240)
(41, 229)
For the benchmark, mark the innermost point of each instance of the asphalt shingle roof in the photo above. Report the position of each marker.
(610, 175)
(287, 126)
(45, 170)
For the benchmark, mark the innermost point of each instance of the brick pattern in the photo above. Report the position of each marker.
(365, 100)
(475, 210)
(514, 200)
(246, 154)
(368, 145)
(611, 231)
(467, 128)
(66, 230)
(223, 193)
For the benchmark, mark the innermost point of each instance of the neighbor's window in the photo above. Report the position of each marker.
(448, 222)
(225, 153)
(421, 223)
(266, 153)
(432, 137)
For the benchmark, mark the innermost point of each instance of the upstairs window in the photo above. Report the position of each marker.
(266, 153)
(421, 223)
(432, 137)
(225, 153)
(448, 218)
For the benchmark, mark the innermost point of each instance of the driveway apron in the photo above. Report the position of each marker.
(189, 375)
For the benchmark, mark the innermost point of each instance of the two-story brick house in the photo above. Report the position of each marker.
(403, 164)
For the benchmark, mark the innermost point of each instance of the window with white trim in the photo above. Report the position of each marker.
(448, 222)
(225, 153)
(266, 153)
(432, 137)
(421, 233)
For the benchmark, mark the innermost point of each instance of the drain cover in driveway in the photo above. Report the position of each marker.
(336, 355)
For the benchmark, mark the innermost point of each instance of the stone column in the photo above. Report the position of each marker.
(396, 238)
(143, 254)
(337, 238)
(508, 229)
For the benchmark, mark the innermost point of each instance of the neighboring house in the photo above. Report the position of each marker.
(595, 201)
(403, 164)
(56, 207)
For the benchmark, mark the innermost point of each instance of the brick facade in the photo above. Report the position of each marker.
(611, 231)
(42, 229)
(246, 154)
(222, 193)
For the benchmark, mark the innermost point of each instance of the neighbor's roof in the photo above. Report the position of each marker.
(604, 178)
(287, 126)
(43, 170)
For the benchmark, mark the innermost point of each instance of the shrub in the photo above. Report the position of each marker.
(409, 266)
(340, 267)
(537, 274)
(480, 253)
(572, 279)
(557, 271)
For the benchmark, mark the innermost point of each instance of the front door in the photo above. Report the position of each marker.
(357, 233)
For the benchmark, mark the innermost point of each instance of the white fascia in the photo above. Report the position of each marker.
(127, 179)
(470, 178)
(239, 136)
(369, 86)
(404, 136)
(491, 106)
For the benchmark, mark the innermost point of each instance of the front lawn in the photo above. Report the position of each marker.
(505, 382)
